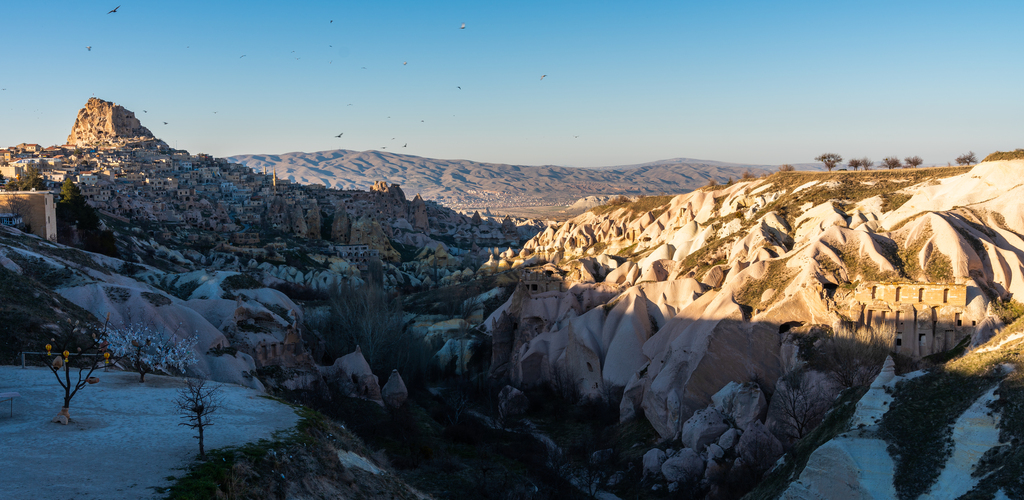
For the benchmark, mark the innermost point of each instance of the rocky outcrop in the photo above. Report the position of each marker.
(106, 122)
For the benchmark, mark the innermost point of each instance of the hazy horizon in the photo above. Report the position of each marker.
(740, 82)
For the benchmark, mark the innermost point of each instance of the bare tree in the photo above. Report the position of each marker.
(801, 401)
(830, 160)
(458, 401)
(854, 163)
(196, 402)
(785, 167)
(891, 162)
(967, 159)
(76, 347)
(866, 163)
(913, 161)
(369, 317)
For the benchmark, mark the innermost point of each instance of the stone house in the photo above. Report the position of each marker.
(37, 209)
(927, 317)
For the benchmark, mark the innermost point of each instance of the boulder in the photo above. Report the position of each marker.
(729, 438)
(685, 467)
(759, 447)
(353, 375)
(512, 402)
(394, 392)
(703, 428)
(743, 403)
(653, 460)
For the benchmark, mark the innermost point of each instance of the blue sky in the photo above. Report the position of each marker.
(740, 81)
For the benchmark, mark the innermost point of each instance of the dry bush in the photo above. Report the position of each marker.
(853, 354)
(786, 168)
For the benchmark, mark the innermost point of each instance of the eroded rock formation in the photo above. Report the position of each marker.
(103, 121)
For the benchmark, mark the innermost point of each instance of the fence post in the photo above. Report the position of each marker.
(22, 360)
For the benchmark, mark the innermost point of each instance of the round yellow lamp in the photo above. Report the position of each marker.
(106, 358)
(48, 347)
(66, 354)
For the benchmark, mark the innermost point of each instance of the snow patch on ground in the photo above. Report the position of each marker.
(975, 432)
(123, 439)
(349, 460)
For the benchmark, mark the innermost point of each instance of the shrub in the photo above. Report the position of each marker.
(1016, 154)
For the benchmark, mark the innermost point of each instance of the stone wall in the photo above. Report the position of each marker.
(928, 317)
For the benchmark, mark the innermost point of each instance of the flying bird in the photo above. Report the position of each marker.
(332, 20)
(144, 111)
(364, 67)
(165, 123)
(339, 135)
(463, 26)
(460, 88)
(542, 76)
(114, 10)
(241, 56)
(88, 47)
(349, 104)
(404, 145)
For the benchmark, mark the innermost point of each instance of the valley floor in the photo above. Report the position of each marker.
(123, 440)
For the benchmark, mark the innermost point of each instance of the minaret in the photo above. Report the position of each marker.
(275, 179)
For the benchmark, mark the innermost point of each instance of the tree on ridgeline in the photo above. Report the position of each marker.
(967, 159)
(785, 167)
(913, 161)
(854, 163)
(830, 160)
(891, 162)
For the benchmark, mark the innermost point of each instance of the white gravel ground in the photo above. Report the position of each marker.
(123, 439)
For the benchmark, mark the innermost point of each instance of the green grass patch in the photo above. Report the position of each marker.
(657, 205)
(240, 281)
(919, 425)
(776, 277)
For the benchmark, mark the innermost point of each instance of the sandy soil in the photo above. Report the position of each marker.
(123, 439)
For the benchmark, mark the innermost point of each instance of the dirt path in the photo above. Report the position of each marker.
(124, 438)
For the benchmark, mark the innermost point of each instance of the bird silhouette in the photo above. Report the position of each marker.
(542, 76)
(349, 104)
(165, 123)
(241, 56)
(460, 88)
(144, 111)
(89, 48)
(463, 26)
(332, 20)
(114, 10)
(339, 135)
(575, 137)
(364, 67)
(404, 145)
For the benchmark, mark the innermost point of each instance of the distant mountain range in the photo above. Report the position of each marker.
(465, 183)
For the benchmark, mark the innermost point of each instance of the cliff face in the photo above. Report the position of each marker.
(103, 121)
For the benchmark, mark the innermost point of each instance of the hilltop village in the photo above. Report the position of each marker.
(205, 203)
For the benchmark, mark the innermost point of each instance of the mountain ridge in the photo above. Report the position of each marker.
(460, 182)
